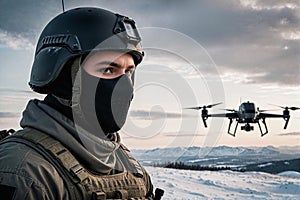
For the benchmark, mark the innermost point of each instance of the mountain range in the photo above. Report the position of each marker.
(236, 157)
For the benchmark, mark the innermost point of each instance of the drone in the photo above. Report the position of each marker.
(247, 114)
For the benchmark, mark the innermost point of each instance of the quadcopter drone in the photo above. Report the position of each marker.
(247, 114)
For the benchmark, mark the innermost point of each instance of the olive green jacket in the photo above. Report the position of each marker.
(26, 174)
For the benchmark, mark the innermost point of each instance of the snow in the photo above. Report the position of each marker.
(203, 159)
(186, 184)
(290, 174)
(265, 165)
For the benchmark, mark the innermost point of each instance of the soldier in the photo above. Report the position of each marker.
(69, 147)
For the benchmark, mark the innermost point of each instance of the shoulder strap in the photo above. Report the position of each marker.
(137, 170)
(134, 166)
(5, 133)
(56, 154)
(60, 153)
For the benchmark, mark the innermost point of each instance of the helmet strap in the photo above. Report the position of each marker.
(75, 67)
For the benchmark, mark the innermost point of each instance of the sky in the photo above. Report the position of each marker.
(196, 53)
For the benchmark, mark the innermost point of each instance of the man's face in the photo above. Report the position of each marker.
(106, 89)
(109, 64)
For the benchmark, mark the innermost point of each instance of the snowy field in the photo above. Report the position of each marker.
(186, 184)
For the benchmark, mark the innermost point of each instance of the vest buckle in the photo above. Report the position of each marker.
(98, 196)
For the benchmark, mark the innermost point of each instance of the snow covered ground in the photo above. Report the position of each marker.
(186, 184)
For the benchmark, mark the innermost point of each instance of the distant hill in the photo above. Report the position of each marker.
(221, 156)
(275, 167)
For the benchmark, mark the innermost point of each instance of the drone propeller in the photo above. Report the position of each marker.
(230, 110)
(287, 108)
(263, 110)
(293, 108)
(267, 110)
(200, 107)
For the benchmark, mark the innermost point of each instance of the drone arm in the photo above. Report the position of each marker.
(217, 115)
(268, 115)
(286, 117)
(205, 116)
(228, 115)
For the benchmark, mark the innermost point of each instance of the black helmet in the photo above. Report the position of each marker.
(77, 32)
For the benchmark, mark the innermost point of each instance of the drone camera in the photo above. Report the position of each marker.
(247, 128)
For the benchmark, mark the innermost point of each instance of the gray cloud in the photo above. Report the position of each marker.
(290, 134)
(11, 90)
(9, 115)
(27, 19)
(183, 134)
(154, 115)
(248, 37)
(262, 4)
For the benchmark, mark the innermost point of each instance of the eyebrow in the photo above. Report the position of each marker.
(113, 64)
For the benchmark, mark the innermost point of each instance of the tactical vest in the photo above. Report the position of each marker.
(134, 183)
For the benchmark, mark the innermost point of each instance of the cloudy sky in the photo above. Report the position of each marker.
(197, 53)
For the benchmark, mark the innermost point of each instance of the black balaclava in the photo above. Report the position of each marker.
(60, 91)
(105, 102)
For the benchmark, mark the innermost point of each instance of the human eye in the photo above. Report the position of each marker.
(129, 71)
(106, 70)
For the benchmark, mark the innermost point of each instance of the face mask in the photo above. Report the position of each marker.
(105, 102)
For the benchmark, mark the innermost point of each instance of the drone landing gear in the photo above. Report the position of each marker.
(266, 128)
(204, 118)
(230, 122)
(248, 128)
